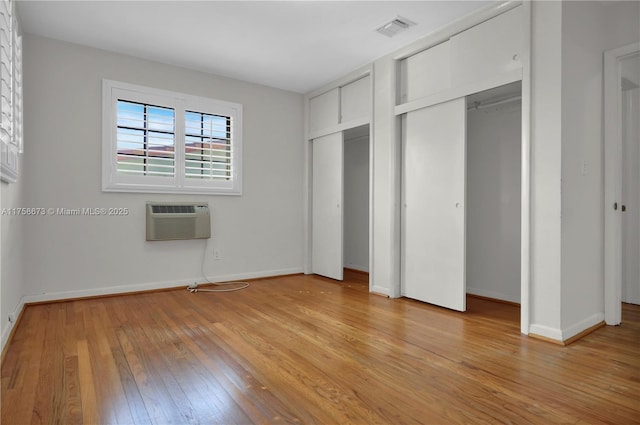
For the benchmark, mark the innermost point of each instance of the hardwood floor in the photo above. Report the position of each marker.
(307, 350)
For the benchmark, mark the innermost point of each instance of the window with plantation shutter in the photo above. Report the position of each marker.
(10, 92)
(166, 142)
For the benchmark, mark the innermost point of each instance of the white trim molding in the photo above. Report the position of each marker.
(546, 332)
(580, 326)
(613, 182)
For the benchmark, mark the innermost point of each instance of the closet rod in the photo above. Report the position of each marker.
(490, 103)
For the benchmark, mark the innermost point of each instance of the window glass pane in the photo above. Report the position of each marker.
(130, 164)
(160, 166)
(130, 114)
(207, 146)
(160, 142)
(145, 139)
(129, 140)
(160, 119)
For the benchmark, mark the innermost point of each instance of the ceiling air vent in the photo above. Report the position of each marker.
(395, 26)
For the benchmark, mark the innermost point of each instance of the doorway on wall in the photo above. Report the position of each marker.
(622, 180)
(341, 205)
(630, 137)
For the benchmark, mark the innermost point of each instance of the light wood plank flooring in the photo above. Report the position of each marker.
(307, 350)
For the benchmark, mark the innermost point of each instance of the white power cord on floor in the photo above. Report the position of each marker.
(194, 286)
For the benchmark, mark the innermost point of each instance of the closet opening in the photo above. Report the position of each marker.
(461, 203)
(493, 198)
(356, 204)
(341, 206)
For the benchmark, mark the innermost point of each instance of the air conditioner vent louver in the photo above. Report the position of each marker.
(173, 209)
(178, 221)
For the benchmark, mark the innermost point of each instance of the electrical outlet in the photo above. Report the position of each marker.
(216, 254)
(584, 168)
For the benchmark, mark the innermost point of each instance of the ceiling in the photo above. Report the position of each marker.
(292, 45)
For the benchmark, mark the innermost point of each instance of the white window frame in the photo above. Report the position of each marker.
(112, 181)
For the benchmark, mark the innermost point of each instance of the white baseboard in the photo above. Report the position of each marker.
(381, 290)
(546, 332)
(582, 325)
(564, 334)
(9, 326)
(122, 289)
(492, 294)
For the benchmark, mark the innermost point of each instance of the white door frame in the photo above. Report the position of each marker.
(613, 181)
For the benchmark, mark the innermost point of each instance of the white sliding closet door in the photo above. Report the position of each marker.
(328, 158)
(433, 190)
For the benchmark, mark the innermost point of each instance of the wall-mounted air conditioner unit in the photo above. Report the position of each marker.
(178, 220)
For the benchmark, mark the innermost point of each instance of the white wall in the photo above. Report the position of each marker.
(588, 29)
(493, 201)
(356, 199)
(567, 258)
(257, 234)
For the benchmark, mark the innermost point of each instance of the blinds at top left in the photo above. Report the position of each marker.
(11, 141)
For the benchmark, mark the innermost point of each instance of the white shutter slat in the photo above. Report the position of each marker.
(17, 94)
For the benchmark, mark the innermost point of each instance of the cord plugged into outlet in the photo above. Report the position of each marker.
(219, 287)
